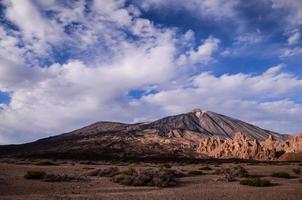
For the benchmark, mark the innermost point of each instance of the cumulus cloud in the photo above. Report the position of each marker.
(112, 50)
(201, 55)
(254, 98)
(59, 97)
(37, 32)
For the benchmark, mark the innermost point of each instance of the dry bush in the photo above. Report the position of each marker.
(167, 165)
(35, 175)
(88, 162)
(230, 174)
(147, 177)
(107, 172)
(41, 175)
(281, 175)
(256, 182)
(88, 168)
(297, 170)
(22, 162)
(61, 178)
(45, 162)
(130, 171)
(205, 168)
(195, 172)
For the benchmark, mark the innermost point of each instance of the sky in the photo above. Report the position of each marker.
(65, 64)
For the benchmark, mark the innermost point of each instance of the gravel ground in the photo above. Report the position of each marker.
(205, 187)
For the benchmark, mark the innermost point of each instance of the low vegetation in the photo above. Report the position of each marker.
(61, 178)
(88, 162)
(45, 162)
(256, 182)
(167, 165)
(205, 168)
(107, 172)
(195, 172)
(300, 181)
(281, 175)
(34, 175)
(147, 177)
(41, 175)
(230, 174)
(130, 171)
(297, 170)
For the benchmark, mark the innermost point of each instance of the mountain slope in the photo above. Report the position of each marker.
(209, 124)
(172, 137)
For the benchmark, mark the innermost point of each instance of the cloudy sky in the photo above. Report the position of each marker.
(67, 63)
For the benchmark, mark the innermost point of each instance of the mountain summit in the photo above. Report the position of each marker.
(207, 124)
(197, 134)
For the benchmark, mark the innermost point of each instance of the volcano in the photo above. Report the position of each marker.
(198, 134)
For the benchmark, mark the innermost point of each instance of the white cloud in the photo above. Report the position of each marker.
(293, 6)
(59, 97)
(294, 38)
(289, 52)
(37, 32)
(202, 55)
(254, 98)
(210, 8)
(54, 98)
(248, 39)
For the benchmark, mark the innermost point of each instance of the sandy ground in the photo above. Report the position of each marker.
(205, 187)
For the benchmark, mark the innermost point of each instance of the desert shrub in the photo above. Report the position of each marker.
(179, 174)
(130, 171)
(205, 168)
(88, 168)
(219, 171)
(107, 172)
(281, 175)
(41, 175)
(34, 175)
(22, 163)
(195, 172)
(297, 170)
(93, 172)
(147, 177)
(45, 162)
(88, 162)
(61, 178)
(230, 174)
(257, 182)
(240, 171)
(167, 165)
(122, 179)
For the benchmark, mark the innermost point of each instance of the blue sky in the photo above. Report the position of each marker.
(65, 64)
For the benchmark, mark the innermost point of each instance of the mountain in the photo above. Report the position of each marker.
(198, 134)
